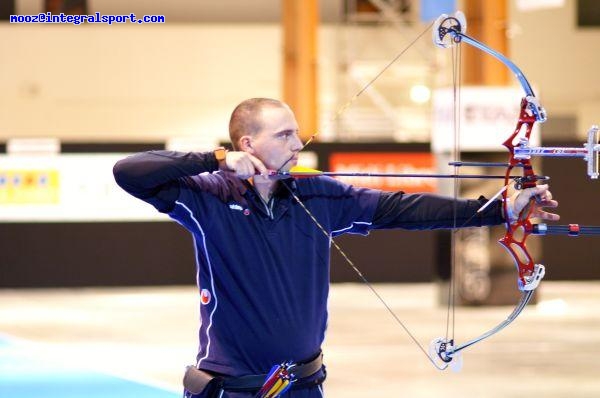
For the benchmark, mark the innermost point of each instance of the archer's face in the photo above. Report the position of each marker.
(278, 143)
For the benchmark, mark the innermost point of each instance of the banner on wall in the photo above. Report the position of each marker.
(386, 162)
(66, 187)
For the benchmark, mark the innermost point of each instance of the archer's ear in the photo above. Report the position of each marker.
(245, 144)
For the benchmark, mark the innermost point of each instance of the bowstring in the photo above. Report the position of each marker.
(336, 116)
(456, 85)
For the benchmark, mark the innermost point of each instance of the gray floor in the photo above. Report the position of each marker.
(149, 334)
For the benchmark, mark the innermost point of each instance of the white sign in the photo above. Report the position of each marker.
(67, 187)
(486, 118)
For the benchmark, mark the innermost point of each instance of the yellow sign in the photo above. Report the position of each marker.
(29, 187)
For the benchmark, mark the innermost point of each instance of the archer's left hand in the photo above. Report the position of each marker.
(543, 198)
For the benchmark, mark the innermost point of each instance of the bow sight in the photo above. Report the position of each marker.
(589, 152)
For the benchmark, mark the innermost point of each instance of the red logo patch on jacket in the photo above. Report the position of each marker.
(205, 296)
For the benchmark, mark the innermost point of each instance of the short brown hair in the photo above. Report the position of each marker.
(245, 118)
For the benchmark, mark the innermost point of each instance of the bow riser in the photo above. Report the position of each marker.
(514, 241)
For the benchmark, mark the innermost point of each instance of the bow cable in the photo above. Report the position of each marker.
(328, 235)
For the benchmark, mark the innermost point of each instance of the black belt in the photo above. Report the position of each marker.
(196, 380)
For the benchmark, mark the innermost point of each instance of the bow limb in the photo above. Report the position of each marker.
(450, 30)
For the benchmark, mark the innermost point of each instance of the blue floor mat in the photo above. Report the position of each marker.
(27, 373)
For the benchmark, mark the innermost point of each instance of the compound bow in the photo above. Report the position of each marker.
(449, 31)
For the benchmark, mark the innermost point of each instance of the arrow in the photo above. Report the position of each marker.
(304, 172)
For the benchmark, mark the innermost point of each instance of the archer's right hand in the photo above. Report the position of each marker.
(243, 164)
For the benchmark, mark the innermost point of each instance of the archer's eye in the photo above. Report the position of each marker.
(286, 135)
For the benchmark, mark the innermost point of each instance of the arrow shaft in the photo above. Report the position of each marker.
(300, 174)
(400, 175)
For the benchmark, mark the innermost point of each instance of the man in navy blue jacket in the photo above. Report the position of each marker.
(262, 262)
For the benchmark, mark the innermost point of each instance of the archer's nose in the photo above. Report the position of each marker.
(296, 144)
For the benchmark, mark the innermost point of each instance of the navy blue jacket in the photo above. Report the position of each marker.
(263, 269)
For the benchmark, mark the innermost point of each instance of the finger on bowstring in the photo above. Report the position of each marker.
(251, 167)
(245, 170)
(258, 165)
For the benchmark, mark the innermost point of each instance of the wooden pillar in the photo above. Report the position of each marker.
(486, 22)
(300, 21)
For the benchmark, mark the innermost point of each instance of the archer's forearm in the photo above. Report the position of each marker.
(144, 173)
(429, 211)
